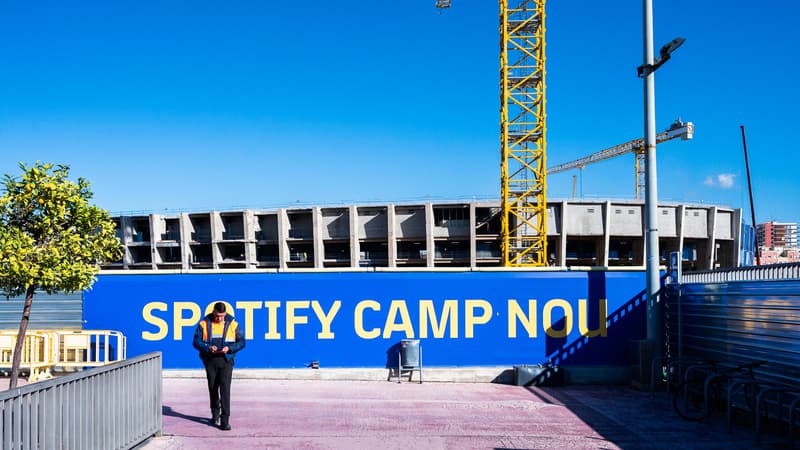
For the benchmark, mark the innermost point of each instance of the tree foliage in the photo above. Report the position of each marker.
(51, 238)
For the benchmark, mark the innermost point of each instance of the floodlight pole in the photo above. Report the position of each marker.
(653, 274)
(655, 318)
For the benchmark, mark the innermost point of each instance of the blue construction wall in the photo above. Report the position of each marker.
(356, 319)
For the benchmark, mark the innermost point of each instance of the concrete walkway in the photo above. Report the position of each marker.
(320, 414)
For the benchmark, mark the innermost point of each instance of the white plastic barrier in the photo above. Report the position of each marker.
(62, 349)
(90, 348)
(39, 354)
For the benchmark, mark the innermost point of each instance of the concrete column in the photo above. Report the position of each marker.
(429, 242)
(355, 249)
(316, 236)
(283, 235)
(156, 228)
(153, 218)
(712, 236)
(391, 236)
(127, 238)
(216, 236)
(473, 234)
(186, 237)
(250, 240)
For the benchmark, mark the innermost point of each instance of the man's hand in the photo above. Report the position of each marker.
(213, 349)
(225, 349)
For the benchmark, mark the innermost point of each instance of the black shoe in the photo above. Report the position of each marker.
(224, 425)
(214, 420)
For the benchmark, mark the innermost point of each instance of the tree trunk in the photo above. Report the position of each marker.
(23, 326)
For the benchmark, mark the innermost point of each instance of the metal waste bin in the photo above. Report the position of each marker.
(409, 353)
(409, 359)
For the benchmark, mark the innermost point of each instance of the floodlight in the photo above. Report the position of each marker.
(671, 46)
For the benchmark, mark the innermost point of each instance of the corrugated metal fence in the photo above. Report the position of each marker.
(111, 407)
(753, 273)
(739, 316)
(48, 312)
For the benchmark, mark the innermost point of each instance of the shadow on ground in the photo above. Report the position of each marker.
(168, 411)
(633, 419)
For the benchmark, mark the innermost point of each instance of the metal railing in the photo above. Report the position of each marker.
(769, 272)
(116, 406)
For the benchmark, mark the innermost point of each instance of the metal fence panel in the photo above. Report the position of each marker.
(116, 406)
(740, 321)
(790, 271)
(48, 312)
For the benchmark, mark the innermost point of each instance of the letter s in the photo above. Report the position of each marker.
(161, 324)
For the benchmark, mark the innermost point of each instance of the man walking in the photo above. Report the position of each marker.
(218, 338)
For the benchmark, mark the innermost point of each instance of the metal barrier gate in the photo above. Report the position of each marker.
(44, 350)
(116, 406)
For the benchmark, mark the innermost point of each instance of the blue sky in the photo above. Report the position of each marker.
(185, 105)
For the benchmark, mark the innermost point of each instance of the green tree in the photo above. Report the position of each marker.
(51, 238)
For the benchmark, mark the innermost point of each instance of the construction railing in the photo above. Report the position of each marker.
(117, 406)
(39, 352)
(89, 348)
(43, 351)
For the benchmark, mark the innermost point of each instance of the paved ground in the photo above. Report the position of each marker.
(314, 414)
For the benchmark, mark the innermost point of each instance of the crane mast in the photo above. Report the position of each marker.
(522, 132)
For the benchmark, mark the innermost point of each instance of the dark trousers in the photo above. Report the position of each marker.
(218, 373)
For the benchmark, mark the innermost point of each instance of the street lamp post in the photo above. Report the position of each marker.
(653, 275)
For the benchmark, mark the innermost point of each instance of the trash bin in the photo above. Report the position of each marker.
(409, 353)
(409, 359)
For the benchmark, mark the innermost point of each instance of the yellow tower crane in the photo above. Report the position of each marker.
(678, 129)
(522, 132)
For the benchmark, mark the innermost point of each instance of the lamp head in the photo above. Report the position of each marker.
(666, 53)
(671, 46)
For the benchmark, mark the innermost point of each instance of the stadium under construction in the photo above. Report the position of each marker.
(422, 235)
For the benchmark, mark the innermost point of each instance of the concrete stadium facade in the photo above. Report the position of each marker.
(420, 235)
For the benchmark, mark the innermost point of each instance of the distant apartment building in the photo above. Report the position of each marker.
(777, 242)
(772, 256)
(777, 235)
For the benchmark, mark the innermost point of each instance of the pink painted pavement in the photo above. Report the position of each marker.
(271, 414)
